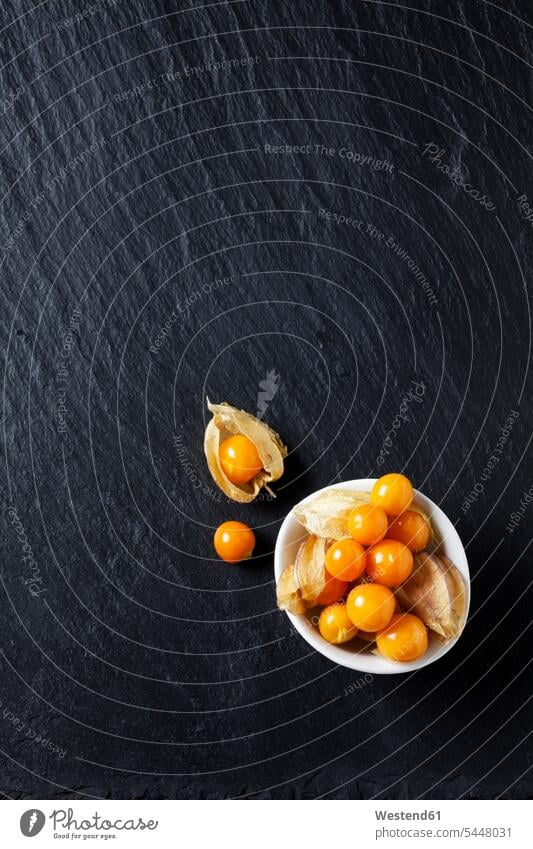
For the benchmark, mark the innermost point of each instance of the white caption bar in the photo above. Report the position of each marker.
(266, 824)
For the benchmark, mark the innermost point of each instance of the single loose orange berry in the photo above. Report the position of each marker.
(333, 591)
(239, 459)
(405, 638)
(370, 606)
(393, 492)
(335, 625)
(346, 559)
(412, 529)
(234, 541)
(367, 524)
(389, 562)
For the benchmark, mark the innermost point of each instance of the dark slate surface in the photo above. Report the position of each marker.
(137, 182)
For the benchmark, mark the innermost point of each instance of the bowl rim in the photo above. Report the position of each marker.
(368, 662)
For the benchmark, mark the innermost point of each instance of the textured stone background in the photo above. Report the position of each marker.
(135, 178)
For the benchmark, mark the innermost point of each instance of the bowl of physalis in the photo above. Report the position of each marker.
(373, 575)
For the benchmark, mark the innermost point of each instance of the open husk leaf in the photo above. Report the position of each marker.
(311, 568)
(289, 593)
(326, 515)
(228, 421)
(459, 599)
(435, 592)
(301, 583)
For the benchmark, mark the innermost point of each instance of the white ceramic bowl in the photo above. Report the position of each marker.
(355, 655)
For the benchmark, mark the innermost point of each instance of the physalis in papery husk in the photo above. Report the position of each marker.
(435, 591)
(301, 583)
(243, 453)
(326, 515)
(306, 582)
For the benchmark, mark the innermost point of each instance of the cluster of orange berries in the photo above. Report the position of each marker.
(383, 537)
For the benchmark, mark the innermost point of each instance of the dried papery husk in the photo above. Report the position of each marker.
(228, 421)
(326, 515)
(459, 598)
(288, 591)
(311, 568)
(435, 591)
